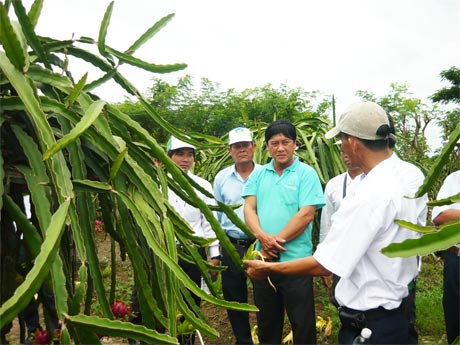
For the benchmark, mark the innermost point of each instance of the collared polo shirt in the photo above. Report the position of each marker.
(228, 187)
(279, 198)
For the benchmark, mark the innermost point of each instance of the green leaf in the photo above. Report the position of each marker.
(29, 32)
(163, 255)
(447, 236)
(150, 33)
(10, 41)
(36, 177)
(32, 240)
(98, 82)
(131, 60)
(35, 11)
(45, 76)
(417, 228)
(101, 64)
(78, 297)
(87, 120)
(65, 337)
(115, 328)
(120, 158)
(92, 186)
(103, 29)
(27, 94)
(447, 201)
(438, 165)
(77, 89)
(40, 269)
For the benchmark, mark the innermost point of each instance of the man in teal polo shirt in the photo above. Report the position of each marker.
(281, 199)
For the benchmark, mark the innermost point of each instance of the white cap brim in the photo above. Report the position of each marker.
(332, 133)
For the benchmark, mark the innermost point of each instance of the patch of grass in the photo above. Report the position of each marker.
(430, 318)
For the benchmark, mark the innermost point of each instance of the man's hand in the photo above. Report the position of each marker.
(271, 245)
(214, 274)
(256, 269)
(327, 281)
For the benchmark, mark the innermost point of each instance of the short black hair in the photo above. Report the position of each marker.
(280, 127)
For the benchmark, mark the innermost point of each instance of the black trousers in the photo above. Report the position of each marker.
(293, 294)
(450, 298)
(390, 327)
(235, 288)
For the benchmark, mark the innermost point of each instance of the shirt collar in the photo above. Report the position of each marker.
(293, 166)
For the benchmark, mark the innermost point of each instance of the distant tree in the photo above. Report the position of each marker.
(452, 93)
(449, 95)
(208, 109)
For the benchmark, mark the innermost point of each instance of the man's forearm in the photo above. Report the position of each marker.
(297, 225)
(303, 266)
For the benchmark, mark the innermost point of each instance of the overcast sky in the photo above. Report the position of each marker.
(335, 46)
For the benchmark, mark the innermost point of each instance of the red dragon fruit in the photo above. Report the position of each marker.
(120, 310)
(41, 337)
(98, 225)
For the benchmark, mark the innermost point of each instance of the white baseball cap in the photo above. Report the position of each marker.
(239, 134)
(174, 144)
(361, 120)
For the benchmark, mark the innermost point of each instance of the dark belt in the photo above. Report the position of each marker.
(357, 319)
(454, 250)
(379, 312)
(241, 242)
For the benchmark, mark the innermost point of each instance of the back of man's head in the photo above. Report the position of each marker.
(366, 121)
(363, 120)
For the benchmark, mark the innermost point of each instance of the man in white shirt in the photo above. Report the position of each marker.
(372, 285)
(451, 285)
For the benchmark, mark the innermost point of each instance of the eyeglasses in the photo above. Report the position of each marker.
(283, 143)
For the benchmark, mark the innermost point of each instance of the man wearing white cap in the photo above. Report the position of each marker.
(371, 285)
(183, 155)
(451, 283)
(228, 187)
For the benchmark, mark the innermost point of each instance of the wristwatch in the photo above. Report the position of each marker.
(218, 257)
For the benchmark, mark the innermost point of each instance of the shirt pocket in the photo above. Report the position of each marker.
(290, 194)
